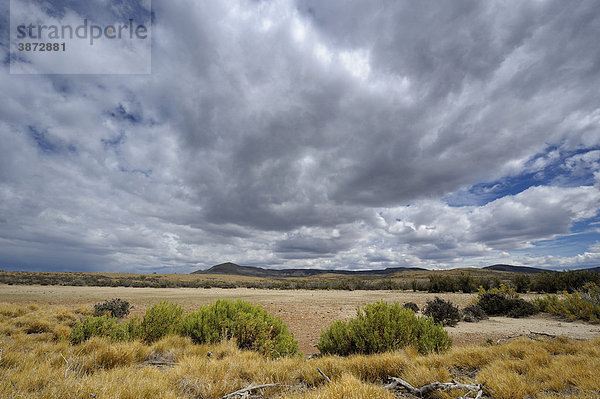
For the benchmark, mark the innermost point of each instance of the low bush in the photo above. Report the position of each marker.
(521, 308)
(441, 283)
(505, 303)
(473, 313)
(100, 326)
(383, 327)
(583, 304)
(116, 307)
(442, 312)
(250, 326)
(160, 319)
(522, 282)
(412, 306)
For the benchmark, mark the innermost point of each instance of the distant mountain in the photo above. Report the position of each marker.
(230, 268)
(515, 269)
(233, 269)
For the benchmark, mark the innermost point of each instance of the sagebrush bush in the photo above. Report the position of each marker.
(383, 327)
(473, 313)
(412, 306)
(160, 319)
(249, 325)
(442, 312)
(500, 304)
(115, 307)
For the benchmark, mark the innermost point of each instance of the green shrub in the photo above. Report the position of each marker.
(161, 319)
(101, 326)
(583, 304)
(521, 308)
(521, 282)
(442, 312)
(441, 283)
(250, 326)
(466, 283)
(383, 327)
(501, 304)
(116, 307)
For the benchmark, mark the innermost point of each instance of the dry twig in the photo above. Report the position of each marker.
(323, 374)
(248, 389)
(434, 386)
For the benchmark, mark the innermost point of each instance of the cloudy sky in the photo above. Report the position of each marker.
(329, 134)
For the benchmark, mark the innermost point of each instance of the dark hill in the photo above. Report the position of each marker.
(230, 268)
(515, 269)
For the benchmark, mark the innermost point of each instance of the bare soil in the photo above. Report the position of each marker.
(306, 312)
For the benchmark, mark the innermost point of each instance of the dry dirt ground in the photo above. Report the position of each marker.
(306, 312)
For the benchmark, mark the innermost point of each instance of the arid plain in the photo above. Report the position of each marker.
(307, 312)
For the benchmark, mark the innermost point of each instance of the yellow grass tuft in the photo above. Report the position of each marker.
(347, 386)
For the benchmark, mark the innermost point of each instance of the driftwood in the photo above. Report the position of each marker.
(434, 386)
(323, 374)
(248, 389)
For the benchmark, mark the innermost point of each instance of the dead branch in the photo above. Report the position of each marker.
(159, 363)
(434, 386)
(323, 374)
(248, 389)
(533, 334)
(68, 365)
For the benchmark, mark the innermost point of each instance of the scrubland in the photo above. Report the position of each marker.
(39, 361)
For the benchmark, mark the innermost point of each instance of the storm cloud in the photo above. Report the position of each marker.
(338, 134)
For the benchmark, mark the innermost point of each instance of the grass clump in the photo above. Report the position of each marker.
(115, 307)
(161, 319)
(583, 304)
(250, 326)
(383, 327)
(442, 311)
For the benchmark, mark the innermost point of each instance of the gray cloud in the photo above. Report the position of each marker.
(265, 127)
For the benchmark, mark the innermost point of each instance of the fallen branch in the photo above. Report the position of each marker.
(323, 374)
(542, 334)
(159, 363)
(248, 389)
(68, 365)
(434, 386)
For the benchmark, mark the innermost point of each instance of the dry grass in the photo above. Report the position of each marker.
(38, 361)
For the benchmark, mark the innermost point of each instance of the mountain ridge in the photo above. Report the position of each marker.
(231, 268)
(515, 269)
